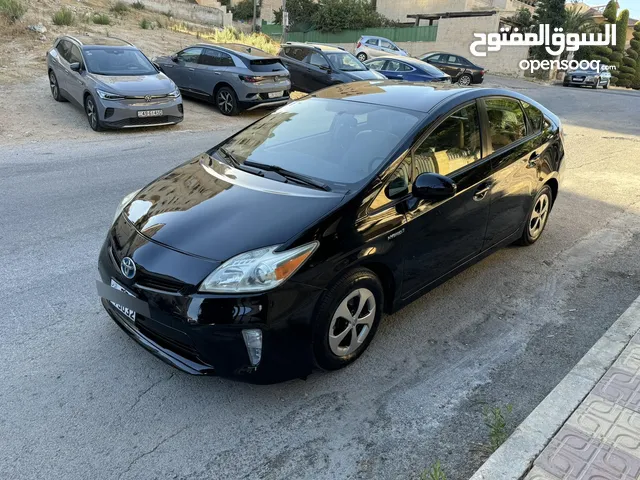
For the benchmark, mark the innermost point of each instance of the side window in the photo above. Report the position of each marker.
(190, 55)
(296, 53)
(376, 64)
(75, 55)
(452, 59)
(395, 186)
(385, 44)
(317, 60)
(215, 59)
(396, 66)
(372, 41)
(454, 144)
(506, 121)
(435, 58)
(535, 117)
(64, 49)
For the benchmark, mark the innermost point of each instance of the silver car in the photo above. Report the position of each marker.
(372, 47)
(235, 77)
(115, 84)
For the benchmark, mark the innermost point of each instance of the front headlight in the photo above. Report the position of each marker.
(257, 270)
(589, 79)
(175, 93)
(125, 201)
(108, 95)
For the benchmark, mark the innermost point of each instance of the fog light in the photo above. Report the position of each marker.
(253, 341)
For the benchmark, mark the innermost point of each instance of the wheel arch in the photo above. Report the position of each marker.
(219, 85)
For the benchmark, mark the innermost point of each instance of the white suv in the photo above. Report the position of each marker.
(372, 47)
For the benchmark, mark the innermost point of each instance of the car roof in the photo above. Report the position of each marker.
(246, 51)
(376, 36)
(90, 41)
(416, 62)
(324, 47)
(417, 96)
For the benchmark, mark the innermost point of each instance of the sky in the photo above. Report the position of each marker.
(632, 5)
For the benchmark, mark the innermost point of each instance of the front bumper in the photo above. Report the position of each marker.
(202, 333)
(583, 81)
(124, 113)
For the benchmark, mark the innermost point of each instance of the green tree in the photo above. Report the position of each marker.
(522, 19)
(626, 68)
(633, 60)
(244, 10)
(337, 15)
(579, 21)
(552, 13)
(301, 13)
(606, 55)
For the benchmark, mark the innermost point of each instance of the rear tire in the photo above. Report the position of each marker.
(537, 217)
(55, 88)
(347, 318)
(465, 80)
(227, 101)
(362, 56)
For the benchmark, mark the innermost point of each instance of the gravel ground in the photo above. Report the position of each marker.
(81, 400)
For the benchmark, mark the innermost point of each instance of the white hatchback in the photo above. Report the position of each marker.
(372, 47)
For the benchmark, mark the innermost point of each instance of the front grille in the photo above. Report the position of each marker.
(578, 79)
(140, 122)
(184, 348)
(159, 283)
(145, 97)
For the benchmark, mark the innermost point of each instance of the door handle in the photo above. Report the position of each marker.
(533, 160)
(191, 69)
(482, 191)
(216, 73)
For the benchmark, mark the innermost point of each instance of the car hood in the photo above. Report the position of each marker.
(206, 208)
(584, 72)
(157, 84)
(364, 75)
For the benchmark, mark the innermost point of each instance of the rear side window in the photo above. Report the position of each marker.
(376, 64)
(506, 121)
(453, 145)
(215, 58)
(535, 117)
(452, 59)
(372, 41)
(296, 53)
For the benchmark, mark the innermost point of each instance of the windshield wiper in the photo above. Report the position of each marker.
(288, 174)
(236, 164)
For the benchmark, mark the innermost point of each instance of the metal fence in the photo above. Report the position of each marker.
(427, 33)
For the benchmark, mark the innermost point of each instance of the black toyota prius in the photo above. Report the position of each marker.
(278, 250)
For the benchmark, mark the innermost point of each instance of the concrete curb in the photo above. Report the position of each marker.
(515, 457)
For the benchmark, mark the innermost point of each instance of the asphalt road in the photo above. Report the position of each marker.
(79, 399)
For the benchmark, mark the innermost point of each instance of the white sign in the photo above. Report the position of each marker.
(285, 19)
(569, 41)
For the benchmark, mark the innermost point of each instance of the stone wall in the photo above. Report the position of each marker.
(216, 16)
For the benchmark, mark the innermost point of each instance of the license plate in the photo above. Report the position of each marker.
(150, 113)
(276, 94)
(127, 312)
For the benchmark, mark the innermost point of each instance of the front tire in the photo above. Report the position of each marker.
(606, 86)
(93, 116)
(362, 56)
(347, 319)
(227, 101)
(538, 217)
(465, 80)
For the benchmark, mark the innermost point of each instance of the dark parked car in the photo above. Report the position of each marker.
(462, 71)
(113, 82)
(280, 248)
(236, 77)
(589, 77)
(316, 66)
(410, 69)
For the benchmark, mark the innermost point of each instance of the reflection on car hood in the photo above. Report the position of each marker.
(157, 84)
(209, 209)
(364, 75)
(583, 72)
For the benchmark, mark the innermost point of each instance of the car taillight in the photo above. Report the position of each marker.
(251, 79)
(481, 72)
(358, 45)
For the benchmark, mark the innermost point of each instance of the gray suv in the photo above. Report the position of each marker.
(236, 77)
(115, 84)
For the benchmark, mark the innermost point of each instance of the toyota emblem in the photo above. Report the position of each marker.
(128, 267)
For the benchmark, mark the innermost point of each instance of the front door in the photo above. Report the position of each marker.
(317, 73)
(442, 235)
(182, 70)
(75, 80)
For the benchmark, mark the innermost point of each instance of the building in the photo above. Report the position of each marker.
(596, 13)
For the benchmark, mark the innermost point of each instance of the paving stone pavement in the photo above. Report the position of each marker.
(601, 439)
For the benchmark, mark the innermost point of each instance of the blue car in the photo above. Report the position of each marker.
(406, 68)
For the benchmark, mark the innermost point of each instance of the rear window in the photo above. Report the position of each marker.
(266, 65)
(117, 61)
(335, 141)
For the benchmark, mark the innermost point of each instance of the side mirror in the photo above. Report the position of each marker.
(174, 58)
(75, 66)
(326, 68)
(433, 186)
(396, 188)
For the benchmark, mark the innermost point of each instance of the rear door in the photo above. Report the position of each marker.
(293, 59)
(518, 146)
(395, 69)
(388, 47)
(212, 67)
(372, 46)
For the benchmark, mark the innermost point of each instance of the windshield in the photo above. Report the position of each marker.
(335, 141)
(345, 61)
(117, 61)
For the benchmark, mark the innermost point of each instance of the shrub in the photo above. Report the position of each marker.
(244, 10)
(337, 15)
(232, 35)
(64, 16)
(146, 24)
(120, 8)
(101, 19)
(138, 5)
(13, 10)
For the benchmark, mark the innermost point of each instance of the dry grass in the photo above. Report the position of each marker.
(231, 35)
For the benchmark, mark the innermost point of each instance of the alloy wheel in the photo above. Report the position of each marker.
(225, 101)
(53, 84)
(352, 322)
(362, 57)
(539, 216)
(92, 113)
(464, 81)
